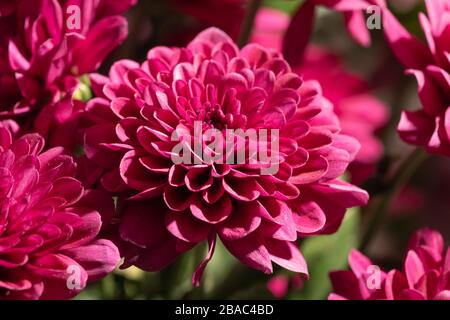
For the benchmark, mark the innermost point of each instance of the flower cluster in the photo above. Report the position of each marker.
(430, 65)
(426, 274)
(134, 166)
(43, 51)
(48, 223)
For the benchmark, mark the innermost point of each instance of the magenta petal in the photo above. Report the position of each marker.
(158, 258)
(243, 220)
(413, 268)
(333, 296)
(411, 294)
(212, 213)
(308, 217)
(408, 49)
(429, 93)
(197, 276)
(177, 199)
(98, 258)
(135, 175)
(395, 283)
(429, 239)
(447, 261)
(213, 35)
(52, 268)
(251, 251)
(345, 285)
(100, 41)
(416, 127)
(185, 227)
(359, 263)
(287, 255)
(143, 224)
(355, 23)
(298, 33)
(312, 171)
(443, 295)
(241, 189)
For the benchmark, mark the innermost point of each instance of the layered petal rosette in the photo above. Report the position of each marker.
(430, 64)
(45, 46)
(48, 223)
(425, 276)
(146, 112)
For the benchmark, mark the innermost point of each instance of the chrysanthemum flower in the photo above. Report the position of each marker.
(172, 207)
(426, 274)
(430, 64)
(45, 46)
(48, 223)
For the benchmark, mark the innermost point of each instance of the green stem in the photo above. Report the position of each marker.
(247, 25)
(394, 185)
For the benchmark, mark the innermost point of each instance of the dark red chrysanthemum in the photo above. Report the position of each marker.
(172, 207)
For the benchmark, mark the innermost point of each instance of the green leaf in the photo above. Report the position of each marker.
(327, 253)
(83, 91)
(288, 6)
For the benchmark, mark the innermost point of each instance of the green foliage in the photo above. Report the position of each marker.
(327, 253)
(289, 6)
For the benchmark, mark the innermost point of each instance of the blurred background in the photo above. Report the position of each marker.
(424, 201)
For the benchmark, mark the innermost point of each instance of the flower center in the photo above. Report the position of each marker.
(215, 117)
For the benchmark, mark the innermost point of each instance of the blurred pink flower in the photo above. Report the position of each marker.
(41, 58)
(302, 24)
(279, 285)
(426, 274)
(404, 5)
(269, 28)
(48, 223)
(172, 207)
(430, 65)
(360, 113)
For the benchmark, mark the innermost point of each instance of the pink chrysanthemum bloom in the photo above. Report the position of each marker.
(45, 46)
(172, 207)
(430, 65)
(360, 113)
(426, 274)
(48, 223)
